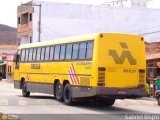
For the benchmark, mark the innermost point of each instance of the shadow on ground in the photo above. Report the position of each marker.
(89, 105)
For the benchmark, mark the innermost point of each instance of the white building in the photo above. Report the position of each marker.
(60, 20)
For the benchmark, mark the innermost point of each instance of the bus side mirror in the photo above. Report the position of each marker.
(14, 57)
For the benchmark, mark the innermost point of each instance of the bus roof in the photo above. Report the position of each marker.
(59, 41)
(67, 40)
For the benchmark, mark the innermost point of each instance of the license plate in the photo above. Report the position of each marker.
(122, 92)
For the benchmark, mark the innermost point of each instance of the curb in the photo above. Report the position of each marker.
(147, 98)
(6, 81)
(8, 117)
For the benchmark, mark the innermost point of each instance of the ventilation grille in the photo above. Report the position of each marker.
(85, 81)
(141, 76)
(101, 78)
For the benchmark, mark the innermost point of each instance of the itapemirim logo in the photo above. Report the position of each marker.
(126, 54)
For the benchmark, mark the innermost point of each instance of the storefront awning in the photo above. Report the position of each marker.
(158, 82)
(3, 63)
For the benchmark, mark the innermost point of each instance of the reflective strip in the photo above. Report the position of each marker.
(73, 75)
(72, 72)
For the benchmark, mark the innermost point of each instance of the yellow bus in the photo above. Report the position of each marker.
(103, 67)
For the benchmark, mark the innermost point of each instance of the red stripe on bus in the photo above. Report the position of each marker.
(75, 74)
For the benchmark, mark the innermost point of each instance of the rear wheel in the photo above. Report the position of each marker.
(67, 94)
(25, 93)
(59, 91)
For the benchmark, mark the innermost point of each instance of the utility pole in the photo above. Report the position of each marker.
(39, 22)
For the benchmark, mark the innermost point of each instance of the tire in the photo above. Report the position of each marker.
(59, 91)
(67, 94)
(106, 102)
(25, 93)
(158, 100)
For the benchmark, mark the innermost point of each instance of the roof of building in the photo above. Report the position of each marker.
(153, 47)
(8, 46)
(153, 56)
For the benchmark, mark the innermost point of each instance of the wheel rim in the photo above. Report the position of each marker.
(58, 90)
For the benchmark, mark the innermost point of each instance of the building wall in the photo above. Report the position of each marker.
(24, 24)
(64, 20)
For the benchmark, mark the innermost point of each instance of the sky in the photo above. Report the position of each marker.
(8, 8)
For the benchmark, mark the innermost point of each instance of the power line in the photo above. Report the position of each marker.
(115, 1)
(147, 33)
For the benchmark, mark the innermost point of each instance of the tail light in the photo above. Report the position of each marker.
(101, 76)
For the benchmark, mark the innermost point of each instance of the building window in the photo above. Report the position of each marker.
(24, 18)
(9, 68)
(19, 20)
(30, 38)
(30, 16)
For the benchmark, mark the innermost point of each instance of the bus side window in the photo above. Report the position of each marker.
(30, 54)
(22, 55)
(82, 50)
(47, 53)
(89, 50)
(69, 51)
(62, 52)
(42, 53)
(38, 54)
(52, 49)
(34, 54)
(57, 51)
(75, 51)
(27, 55)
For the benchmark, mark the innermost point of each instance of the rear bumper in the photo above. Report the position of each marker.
(132, 92)
(109, 92)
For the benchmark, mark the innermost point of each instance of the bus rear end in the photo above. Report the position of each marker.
(121, 66)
